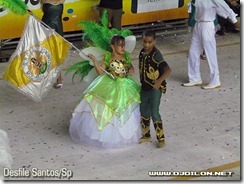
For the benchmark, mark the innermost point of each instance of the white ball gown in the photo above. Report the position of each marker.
(108, 115)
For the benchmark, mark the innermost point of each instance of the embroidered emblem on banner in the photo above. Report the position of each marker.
(36, 63)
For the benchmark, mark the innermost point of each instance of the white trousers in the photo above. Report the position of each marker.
(203, 37)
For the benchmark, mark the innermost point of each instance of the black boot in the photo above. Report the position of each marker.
(145, 128)
(158, 125)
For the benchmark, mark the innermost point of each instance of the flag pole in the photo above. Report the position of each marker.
(30, 12)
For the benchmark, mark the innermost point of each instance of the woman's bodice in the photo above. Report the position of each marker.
(118, 68)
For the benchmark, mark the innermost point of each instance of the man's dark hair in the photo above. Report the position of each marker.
(150, 33)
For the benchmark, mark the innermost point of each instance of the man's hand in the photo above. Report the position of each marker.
(157, 84)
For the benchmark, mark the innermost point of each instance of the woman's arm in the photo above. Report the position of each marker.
(97, 65)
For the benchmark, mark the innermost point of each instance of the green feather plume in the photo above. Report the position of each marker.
(97, 35)
(81, 68)
(104, 18)
(100, 35)
(18, 7)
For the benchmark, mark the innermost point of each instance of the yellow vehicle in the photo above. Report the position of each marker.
(136, 12)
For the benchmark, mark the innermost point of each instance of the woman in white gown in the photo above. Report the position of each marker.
(108, 114)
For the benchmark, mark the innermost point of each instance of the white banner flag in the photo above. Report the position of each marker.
(37, 61)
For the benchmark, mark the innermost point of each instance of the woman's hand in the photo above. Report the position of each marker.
(96, 64)
(92, 57)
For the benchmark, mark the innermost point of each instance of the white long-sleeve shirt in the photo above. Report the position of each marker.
(206, 10)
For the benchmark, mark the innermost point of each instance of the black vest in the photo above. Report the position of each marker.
(151, 69)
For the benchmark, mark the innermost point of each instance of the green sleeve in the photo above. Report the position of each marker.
(159, 58)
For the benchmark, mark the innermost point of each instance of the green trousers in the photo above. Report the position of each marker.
(149, 108)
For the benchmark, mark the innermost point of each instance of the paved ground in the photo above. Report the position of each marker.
(202, 128)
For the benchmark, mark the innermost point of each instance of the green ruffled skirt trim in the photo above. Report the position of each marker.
(108, 97)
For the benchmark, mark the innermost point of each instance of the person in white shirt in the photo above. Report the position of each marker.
(203, 37)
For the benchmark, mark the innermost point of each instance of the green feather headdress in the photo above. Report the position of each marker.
(99, 35)
(18, 7)
(96, 35)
